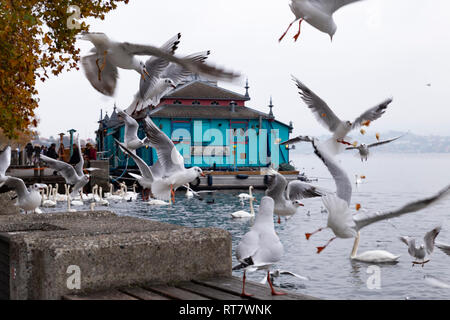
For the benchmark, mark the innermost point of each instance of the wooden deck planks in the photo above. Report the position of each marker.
(209, 292)
(258, 291)
(175, 293)
(101, 295)
(142, 294)
(228, 288)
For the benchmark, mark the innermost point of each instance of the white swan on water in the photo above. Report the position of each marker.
(245, 214)
(372, 256)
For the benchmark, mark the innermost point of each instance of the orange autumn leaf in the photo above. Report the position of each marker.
(362, 131)
(377, 136)
(358, 206)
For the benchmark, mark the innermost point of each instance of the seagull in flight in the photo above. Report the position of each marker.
(101, 66)
(318, 13)
(363, 148)
(424, 250)
(286, 195)
(327, 118)
(341, 220)
(28, 199)
(164, 78)
(73, 175)
(131, 139)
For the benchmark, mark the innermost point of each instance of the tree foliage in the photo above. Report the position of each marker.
(36, 40)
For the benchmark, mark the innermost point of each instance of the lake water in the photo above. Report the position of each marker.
(391, 181)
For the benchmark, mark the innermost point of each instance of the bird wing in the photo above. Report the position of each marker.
(330, 6)
(364, 219)
(429, 238)
(248, 245)
(5, 160)
(155, 65)
(383, 142)
(297, 139)
(64, 169)
(276, 185)
(444, 247)
(195, 67)
(18, 185)
(143, 167)
(411, 243)
(299, 190)
(108, 80)
(319, 108)
(131, 125)
(178, 73)
(168, 156)
(372, 114)
(79, 166)
(343, 184)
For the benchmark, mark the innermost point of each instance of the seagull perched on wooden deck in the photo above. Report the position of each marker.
(341, 220)
(107, 55)
(260, 248)
(328, 118)
(318, 13)
(28, 199)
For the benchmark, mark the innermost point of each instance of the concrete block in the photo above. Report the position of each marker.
(110, 251)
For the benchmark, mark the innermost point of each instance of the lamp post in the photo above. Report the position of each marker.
(72, 131)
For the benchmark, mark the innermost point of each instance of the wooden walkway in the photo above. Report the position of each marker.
(217, 289)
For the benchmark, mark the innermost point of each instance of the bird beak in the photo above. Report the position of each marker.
(174, 86)
(42, 186)
(301, 204)
(145, 72)
(202, 174)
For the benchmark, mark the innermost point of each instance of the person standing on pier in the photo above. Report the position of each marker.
(51, 152)
(75, 158)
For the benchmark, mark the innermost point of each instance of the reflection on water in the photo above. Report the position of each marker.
(392, 180)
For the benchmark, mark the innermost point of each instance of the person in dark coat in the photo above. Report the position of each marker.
(51, 152)
(29, 151)
(75, 158)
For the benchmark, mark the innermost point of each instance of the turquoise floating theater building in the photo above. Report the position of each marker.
(211, 127)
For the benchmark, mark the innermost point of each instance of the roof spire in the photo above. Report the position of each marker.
(246, 89)
(271, 106)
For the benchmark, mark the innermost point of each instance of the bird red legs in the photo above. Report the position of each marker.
(298, 33)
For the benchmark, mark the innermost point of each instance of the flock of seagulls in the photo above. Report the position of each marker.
(260, 248)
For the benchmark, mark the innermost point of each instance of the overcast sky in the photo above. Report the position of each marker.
(382, 48)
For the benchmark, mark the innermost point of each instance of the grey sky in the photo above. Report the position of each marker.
(382, 48)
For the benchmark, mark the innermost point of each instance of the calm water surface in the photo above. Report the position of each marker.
(392, 180)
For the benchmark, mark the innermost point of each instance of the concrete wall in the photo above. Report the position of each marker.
(110, 251)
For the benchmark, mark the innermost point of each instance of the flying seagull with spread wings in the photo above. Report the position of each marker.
(341, 220)
(73, 175)
(28, 199)
(164, 78)
(101, 66)
(286, 195)
(363, 148)
(424, 250)
(318, 13)
(329, 120)
(131, 139)
(173, 173)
